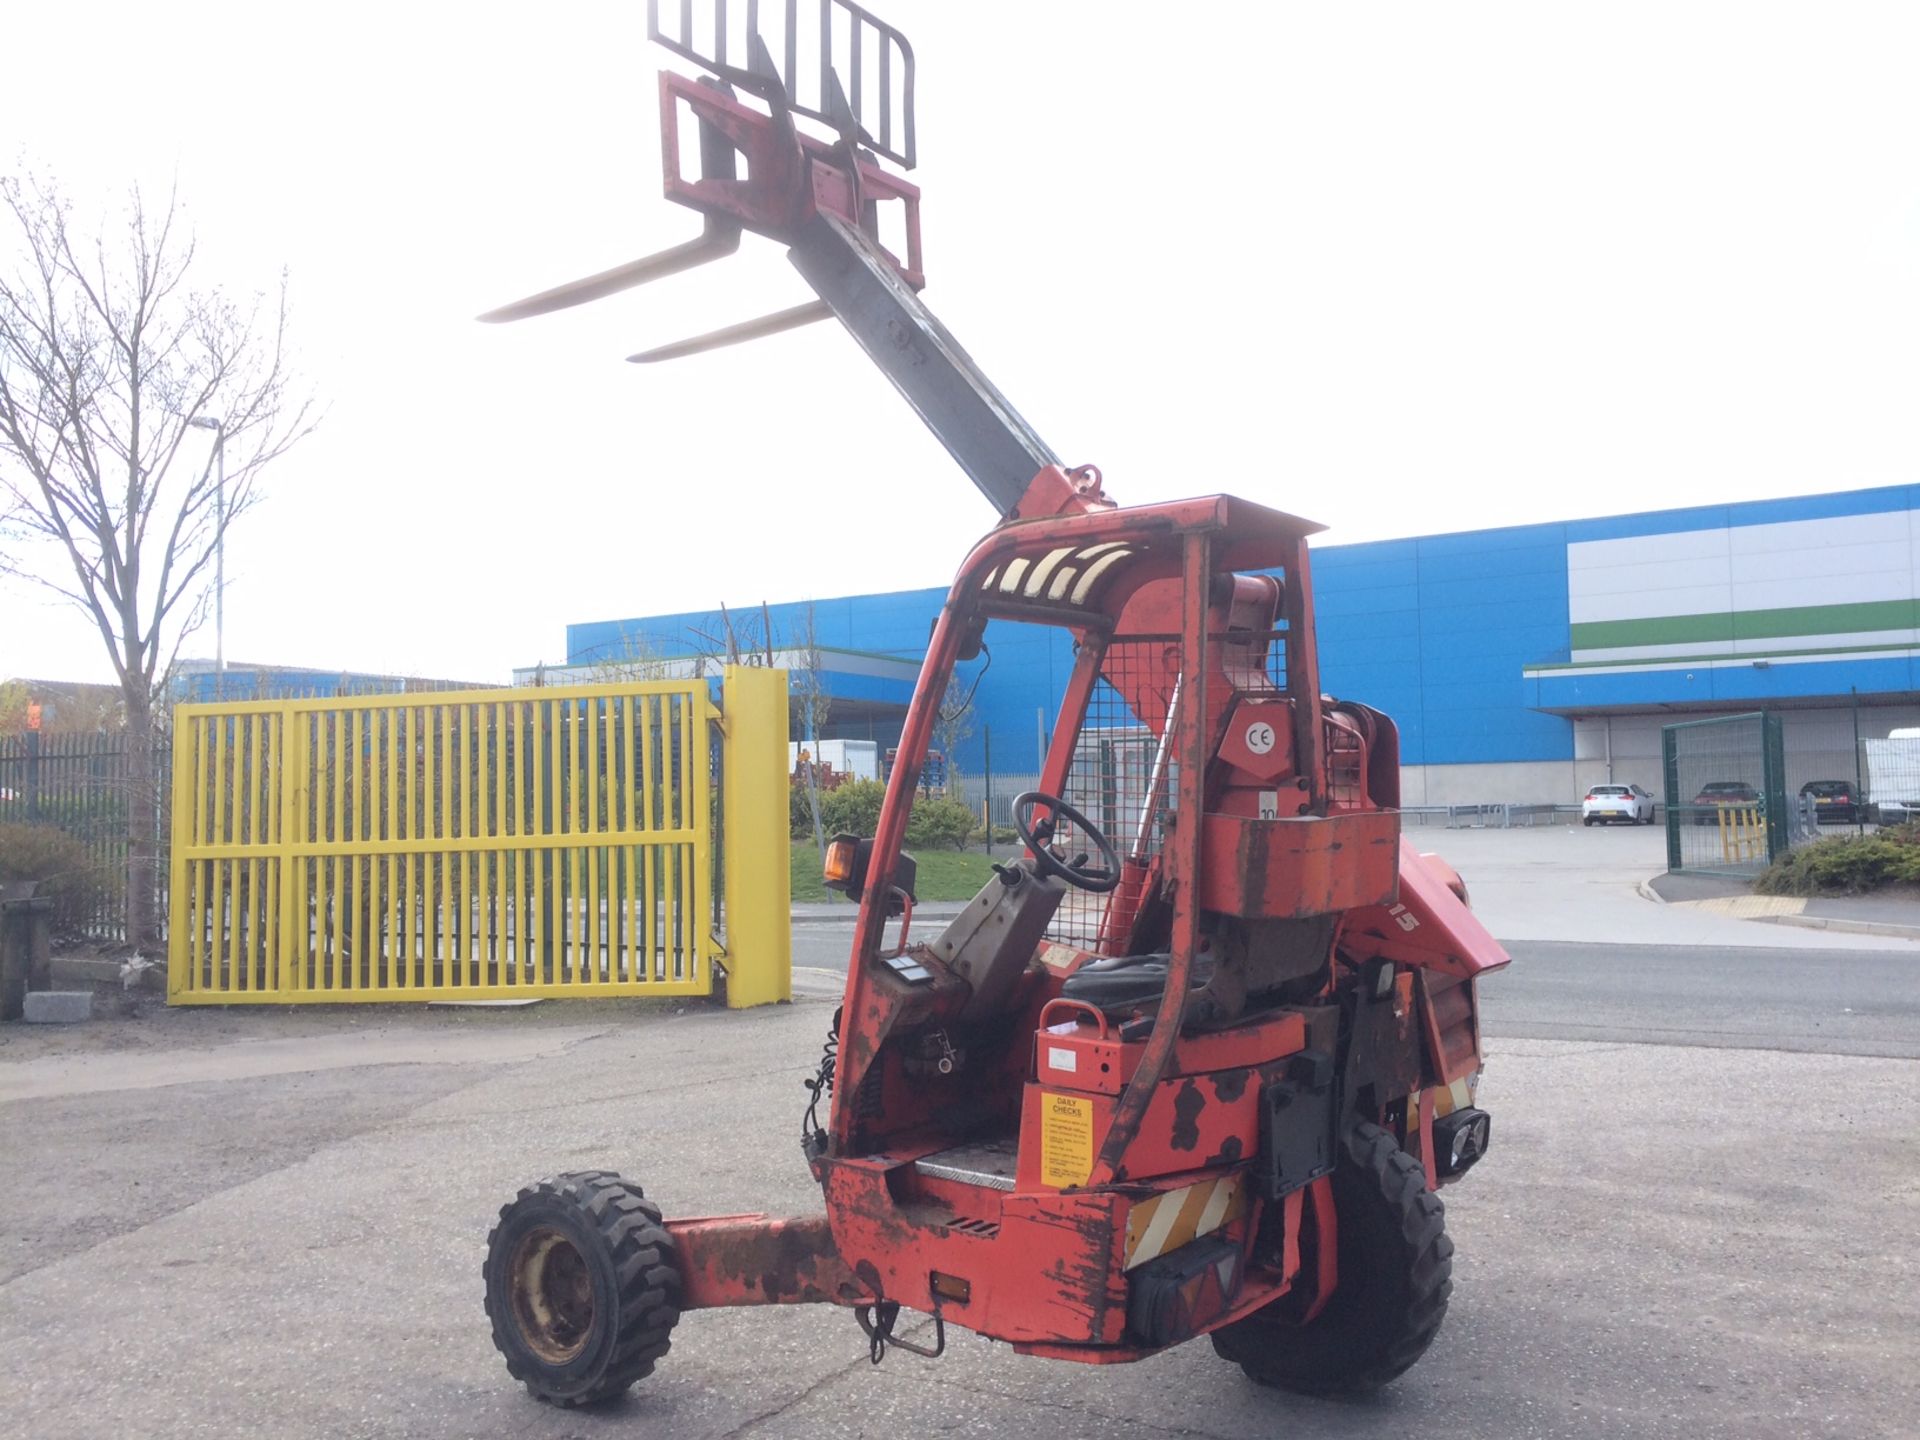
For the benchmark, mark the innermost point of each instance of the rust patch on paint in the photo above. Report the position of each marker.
(1230, 1085)
(1187, 1106)
(1228, 1153)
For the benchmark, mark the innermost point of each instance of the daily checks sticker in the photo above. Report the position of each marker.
(1066, 1140)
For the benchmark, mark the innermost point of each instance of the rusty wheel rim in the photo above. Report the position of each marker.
(552, 1293)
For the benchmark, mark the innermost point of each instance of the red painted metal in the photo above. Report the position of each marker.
(759, 1260)
(1421, 1142)
(1428, 926)
(1155, 1109)
(1325, 1223)
(1296, 866)
(1291, 841)
(1041, 1263)
(1450, 1013)
(1114, 1162)
(790, 177)
(1303, 660)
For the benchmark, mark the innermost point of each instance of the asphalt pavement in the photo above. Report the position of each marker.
(1834, 1002)
(1697, 1218)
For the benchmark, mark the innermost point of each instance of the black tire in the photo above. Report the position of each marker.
(582, 1288)
(1395, 1269)
(1587, 820)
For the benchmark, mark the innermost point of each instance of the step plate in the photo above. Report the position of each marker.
(987, 1163)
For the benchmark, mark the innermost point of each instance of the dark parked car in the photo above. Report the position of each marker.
(1723, 795)
(1833, 801)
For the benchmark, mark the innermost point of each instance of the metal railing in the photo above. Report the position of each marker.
(1494, 815)
(81, 785)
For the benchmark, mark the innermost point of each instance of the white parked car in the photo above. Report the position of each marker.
(1617, 802)
(1894, 812)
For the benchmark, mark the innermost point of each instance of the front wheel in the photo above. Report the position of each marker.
(582, 1287)
(1395, 1275)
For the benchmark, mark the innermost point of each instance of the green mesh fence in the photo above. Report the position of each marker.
(1725, 794)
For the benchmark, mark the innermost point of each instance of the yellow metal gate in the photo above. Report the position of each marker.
(460, 845)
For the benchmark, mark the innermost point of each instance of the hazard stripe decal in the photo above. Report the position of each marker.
(1449, 1098)
(1164, 1223)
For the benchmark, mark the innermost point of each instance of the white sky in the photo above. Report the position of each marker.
(1399, 268)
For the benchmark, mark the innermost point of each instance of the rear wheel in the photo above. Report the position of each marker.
(1395, 1276)
(581, 1287)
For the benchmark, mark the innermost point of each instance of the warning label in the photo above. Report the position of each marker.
(1066, 1140)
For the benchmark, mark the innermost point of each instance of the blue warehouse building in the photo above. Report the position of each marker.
(1522, 664)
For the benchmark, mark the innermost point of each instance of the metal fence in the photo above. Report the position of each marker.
(81, 785)
(1726, 798)
(484, 844)
(1493, 815)
(995, 792)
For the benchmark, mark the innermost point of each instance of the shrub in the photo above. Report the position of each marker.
(1846, 865)
(50, 855)
(936, 823)
(852, 809)
(800, 811)
(940, 824)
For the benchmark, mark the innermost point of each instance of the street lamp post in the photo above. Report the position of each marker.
(219, 428)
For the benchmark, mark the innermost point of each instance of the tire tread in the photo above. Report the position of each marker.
(647, 1285)
(1375, 1331)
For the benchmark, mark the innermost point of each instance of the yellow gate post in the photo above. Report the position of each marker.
(759, 889)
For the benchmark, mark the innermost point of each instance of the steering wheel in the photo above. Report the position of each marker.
(1098, 882)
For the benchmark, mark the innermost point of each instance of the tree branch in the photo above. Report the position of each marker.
(107, 351)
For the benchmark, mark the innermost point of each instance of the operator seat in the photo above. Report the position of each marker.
(1119, 985)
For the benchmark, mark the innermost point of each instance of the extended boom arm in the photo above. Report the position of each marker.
(822, 200)
(986, 436)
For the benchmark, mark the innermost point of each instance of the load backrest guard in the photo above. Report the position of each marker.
(836, 63)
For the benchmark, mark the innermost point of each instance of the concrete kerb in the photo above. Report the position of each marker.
(58, 1007)
(1844, 926)
(845, 914)
(1836, 923)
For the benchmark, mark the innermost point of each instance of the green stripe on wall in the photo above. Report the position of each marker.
(1791, 620)
(1642, 662)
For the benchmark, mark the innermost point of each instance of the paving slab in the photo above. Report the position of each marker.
(1560, 882)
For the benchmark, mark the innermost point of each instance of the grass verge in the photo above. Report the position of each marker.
(943, 875)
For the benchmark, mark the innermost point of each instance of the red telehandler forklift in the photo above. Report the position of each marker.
(1195, 1064)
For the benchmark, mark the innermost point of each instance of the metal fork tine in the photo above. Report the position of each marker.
(746, 330)
(719, 237)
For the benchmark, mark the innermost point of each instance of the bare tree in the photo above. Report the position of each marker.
(635, 659)
(953, 723)
(813, 704)
(14, 700)
(107, 358)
